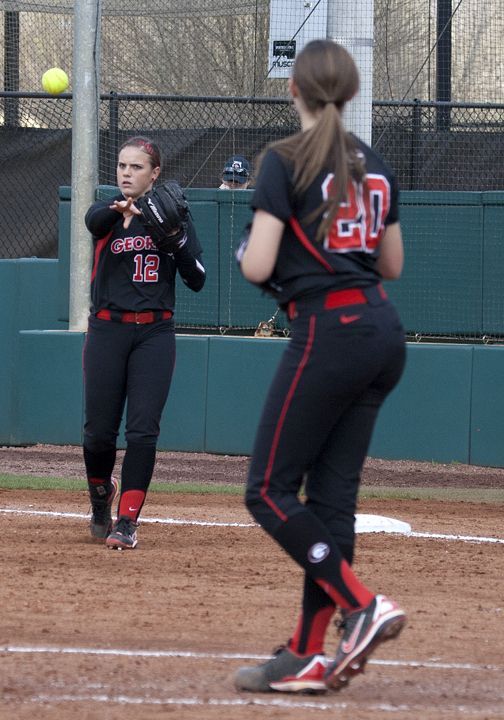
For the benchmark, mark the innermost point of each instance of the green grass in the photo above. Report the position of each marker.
(477, 495)
(31, 482)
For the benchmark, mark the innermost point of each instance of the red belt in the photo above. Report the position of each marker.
(140, 318)
(338, 298)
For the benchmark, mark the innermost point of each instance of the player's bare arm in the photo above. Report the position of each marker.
(261, 253)
(391, 260)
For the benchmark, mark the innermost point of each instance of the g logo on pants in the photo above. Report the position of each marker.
(318, 552)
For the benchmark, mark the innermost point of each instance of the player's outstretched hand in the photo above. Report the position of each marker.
(127, 208)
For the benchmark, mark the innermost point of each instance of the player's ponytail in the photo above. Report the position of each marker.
(326, 77)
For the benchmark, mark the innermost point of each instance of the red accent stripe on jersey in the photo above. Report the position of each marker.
(301, 236)
(281, 420)
(98, 251)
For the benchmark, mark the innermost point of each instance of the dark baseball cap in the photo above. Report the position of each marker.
(236, 169)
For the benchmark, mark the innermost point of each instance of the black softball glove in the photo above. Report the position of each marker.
(165, 212)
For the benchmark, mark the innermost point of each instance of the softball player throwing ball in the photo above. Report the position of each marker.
(325, 232)
(129, 353)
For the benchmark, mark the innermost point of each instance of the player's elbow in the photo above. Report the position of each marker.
(255, 275)
(199, 284)
(391, 260)
(196, 282)
(256, 268)
(391, 271)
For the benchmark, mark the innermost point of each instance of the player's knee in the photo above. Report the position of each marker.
(140, 438)
(99, 443)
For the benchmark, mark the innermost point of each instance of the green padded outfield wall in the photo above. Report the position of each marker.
(428, 414)
(448, 406)
(29, 299)
(440, 290)
(49, 393)
(493, 263)
(487, 407)
(451, 284)
(8, 347)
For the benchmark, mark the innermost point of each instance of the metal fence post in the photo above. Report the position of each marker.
(84, 155)
(113, 136)
(416, 137)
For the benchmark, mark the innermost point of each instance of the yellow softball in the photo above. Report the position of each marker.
(55, 81)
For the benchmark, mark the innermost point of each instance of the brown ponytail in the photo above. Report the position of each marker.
(326, 77)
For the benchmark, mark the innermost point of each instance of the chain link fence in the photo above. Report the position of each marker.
(430, 146)
(198, 77)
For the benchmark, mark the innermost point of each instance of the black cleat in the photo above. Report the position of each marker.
(102, 498)
(123, 535)
(285, 672)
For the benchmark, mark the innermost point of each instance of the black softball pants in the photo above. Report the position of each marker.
(316, 427)
(132, 365)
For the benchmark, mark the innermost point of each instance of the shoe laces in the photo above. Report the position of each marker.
(279, 650)
(125, 526)
(340, 623)
(347, 620)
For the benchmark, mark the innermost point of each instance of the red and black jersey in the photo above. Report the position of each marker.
(347, 255)
(129, 273)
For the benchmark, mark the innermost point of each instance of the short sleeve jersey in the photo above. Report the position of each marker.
(129, 273)
(346, 257)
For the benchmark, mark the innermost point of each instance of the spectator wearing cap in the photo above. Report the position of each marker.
(236, 174)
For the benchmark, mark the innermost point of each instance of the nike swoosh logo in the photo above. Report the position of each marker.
(132, 509)
(348, 645)
(345, 319)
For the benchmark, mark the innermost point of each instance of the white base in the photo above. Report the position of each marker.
(378, 523)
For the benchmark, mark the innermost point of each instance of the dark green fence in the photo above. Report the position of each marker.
(452, 286)
(447, 407)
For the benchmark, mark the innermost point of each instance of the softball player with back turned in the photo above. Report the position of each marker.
(129, 353)
(325, 232)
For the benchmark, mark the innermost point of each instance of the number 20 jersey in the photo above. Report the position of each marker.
(346, 257)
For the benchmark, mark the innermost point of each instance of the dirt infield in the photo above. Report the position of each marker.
(87, 633)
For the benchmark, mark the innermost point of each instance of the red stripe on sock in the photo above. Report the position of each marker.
(362, 596)
(317, 632)
(360, 592)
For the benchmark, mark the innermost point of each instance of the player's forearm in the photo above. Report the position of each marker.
(191, 268)
(391, 259)
(100, 218)
(259, 256)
